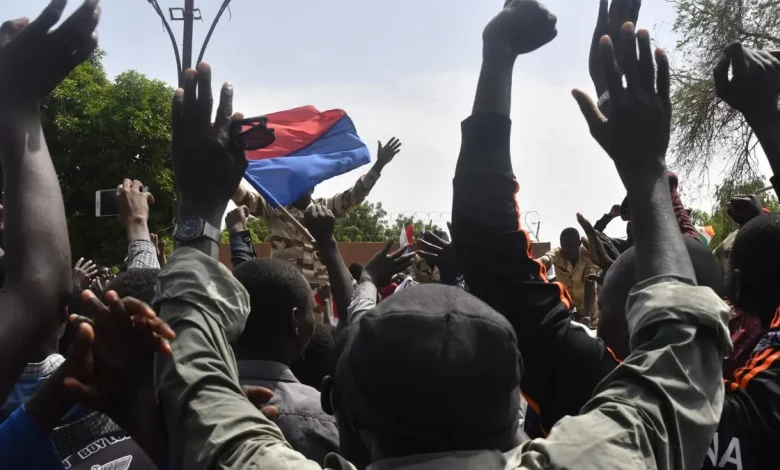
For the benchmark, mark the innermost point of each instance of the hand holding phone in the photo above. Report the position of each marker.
(131, 199)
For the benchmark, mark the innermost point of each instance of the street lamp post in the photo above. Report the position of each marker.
(188, 15)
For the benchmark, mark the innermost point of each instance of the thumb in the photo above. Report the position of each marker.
(258, 396)
(589, 110)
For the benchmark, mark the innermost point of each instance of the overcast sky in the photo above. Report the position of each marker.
(406, 68)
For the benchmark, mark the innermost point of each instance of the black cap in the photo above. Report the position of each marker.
(433, 365)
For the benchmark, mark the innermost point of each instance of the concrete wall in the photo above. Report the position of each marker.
(352, 252)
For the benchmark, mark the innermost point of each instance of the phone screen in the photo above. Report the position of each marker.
(105, 203)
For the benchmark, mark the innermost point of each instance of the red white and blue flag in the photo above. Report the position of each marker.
(310, 147)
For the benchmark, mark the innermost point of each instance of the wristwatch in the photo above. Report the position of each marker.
(192, 228)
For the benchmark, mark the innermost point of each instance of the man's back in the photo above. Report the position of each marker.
(307, 428)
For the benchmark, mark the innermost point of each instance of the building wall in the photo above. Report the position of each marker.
(352, 252)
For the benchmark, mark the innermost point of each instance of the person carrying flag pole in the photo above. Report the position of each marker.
(289, 241)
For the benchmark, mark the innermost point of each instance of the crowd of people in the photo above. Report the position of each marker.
(458, 352)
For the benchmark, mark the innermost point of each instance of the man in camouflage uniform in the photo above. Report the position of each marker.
(288, 242)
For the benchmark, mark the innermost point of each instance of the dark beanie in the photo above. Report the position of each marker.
(412, 367)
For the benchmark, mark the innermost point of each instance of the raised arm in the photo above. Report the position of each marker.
(253, 201)
(754, 90)
(341, 203)
(492, 250)
(320, 222)
(38, 277)
(206, 307)
(133, 201)
(678, 331)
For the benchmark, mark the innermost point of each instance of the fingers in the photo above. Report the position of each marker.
(10, 29)
(430, 258)
(138, 309)
(225, 107)
(205, 97)
(430, 247)
(593, 116)
(177, 111)
(663, 81)
(615, 11)
(601, 21)
(629, 62)
(646, 67)
(586, 225)
(739, 62)
(611, 72)
(47, 19)
(259, 396)
(636, 5)
(387, 247)
(404, 261)
(190, 115)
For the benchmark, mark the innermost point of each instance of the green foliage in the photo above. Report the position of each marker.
(719, 218)
(706, 129)
(99, 132)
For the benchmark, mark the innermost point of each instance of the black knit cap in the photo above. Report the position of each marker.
(435, 366)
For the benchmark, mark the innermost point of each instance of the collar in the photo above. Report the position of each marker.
(36, 370)
(266, 370)
(482, 459)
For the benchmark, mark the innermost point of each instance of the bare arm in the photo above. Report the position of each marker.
(38, 267)
(38, 277)
(320, 221)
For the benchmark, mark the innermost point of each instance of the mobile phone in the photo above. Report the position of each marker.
(252, 134)
(105, 203)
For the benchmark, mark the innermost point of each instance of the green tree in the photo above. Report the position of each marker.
(706, 129)
(719, 219)
(99, 132)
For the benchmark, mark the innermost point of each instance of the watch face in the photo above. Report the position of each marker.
(189, 229)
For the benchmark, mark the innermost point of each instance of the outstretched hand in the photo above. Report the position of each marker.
(754, 88)
(384, 265)
(386, 153)
(611, 18)
(208, 168)
(521, 27)
(636, 135)
(440, 253)
(33, 60)
(127, 334)
(84, 272)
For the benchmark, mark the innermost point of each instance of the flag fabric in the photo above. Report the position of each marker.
(705, 234)
(407, 237)
(310, 147)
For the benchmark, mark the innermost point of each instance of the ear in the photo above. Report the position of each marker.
(326, 395)
(294, 324)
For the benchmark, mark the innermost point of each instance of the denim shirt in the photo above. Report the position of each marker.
(307, 428)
